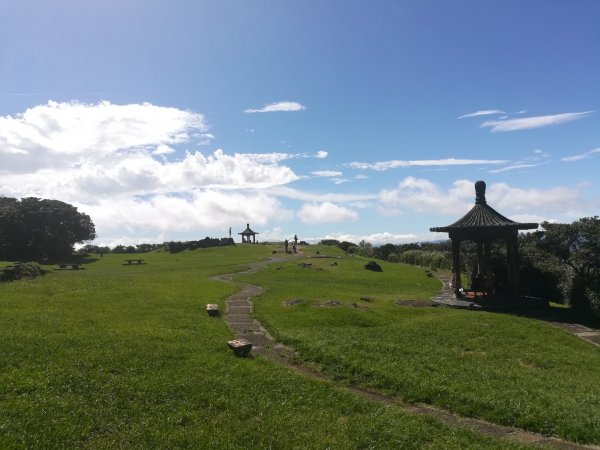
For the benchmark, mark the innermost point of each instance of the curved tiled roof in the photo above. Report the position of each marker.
(248, 230)
(483, 216)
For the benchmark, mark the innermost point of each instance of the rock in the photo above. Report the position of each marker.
(416, 303)
(372, 265)
(212, 309)
(241, 348)
(332, 303)
(298, 301)
(367, 299)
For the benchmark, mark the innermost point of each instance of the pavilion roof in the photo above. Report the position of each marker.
(248, 230)
(483, 217)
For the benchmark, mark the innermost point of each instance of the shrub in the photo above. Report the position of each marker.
(21, 270)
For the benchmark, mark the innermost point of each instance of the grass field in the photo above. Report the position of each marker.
(499, 367)
(125, 356)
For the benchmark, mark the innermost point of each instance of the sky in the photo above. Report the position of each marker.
(326, 119)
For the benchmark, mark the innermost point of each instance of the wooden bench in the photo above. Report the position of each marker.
(68, 266)
(135, 261)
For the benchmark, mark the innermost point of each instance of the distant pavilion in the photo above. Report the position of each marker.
(483, 225)
(247, 234)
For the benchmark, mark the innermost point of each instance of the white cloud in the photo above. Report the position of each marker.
(557, 200)
(340, 180)
(424, 196)
(326, 212)
(394, 164)
(513, 167)
(278, 107)
(527, 123)
(111, 162)
(278, 157)
(205, 210)
(381, 238)
(326, 173)
(485, 112)
(163, 149)
(581, 156)
(43, 136)
(532, 218)
(138, 173)
(295, 194)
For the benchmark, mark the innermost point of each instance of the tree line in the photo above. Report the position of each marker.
(170, 246)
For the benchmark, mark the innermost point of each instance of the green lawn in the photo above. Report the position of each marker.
(499, 367)
(125, 356)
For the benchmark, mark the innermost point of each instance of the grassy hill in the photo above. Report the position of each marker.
(125, 356)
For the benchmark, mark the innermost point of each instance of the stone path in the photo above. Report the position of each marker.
(238, 316)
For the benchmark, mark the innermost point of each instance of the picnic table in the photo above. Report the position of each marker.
(72, 266)
(135, 261)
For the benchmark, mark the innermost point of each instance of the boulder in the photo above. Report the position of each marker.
(372, 265)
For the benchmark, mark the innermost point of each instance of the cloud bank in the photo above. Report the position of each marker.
(120, 164)
(326, 212)
(424, 196)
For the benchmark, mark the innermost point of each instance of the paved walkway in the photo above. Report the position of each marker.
(239, 318)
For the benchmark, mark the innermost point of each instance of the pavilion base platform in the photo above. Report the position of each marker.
(493, 303)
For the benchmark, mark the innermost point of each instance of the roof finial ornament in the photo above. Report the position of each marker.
(480, 193)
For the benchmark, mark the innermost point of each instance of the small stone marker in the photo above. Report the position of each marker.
(212, 309)
(298, 301)
(241, 348)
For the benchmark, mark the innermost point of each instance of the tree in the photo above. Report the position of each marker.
(40, 229)
(383, 251)
(576, 247)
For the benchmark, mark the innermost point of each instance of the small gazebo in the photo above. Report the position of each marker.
(247, 234)
(483, 225)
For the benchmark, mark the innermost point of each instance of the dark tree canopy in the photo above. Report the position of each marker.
(39, 229)
(576, 244)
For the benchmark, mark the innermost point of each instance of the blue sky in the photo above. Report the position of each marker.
(168, 120)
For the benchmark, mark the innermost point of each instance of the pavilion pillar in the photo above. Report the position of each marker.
(512, 254)
(489, 282)
(480, 260)
(254, 239)
(456, 266)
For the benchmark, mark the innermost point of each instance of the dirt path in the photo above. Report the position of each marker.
(239, 318)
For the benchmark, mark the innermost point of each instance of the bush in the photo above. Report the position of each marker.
(21, 270)
(372, 265)
(433, 259)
